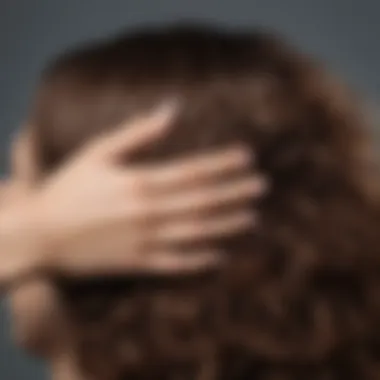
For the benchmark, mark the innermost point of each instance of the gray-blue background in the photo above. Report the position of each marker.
(343, 33)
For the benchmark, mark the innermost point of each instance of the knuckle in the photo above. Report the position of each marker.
(137, 184)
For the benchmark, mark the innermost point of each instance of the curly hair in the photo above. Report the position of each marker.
(299, 296)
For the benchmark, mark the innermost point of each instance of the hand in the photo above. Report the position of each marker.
(152, 211)
(179, 195)
(93, 205)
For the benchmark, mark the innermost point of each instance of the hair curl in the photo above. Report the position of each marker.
(299, 296)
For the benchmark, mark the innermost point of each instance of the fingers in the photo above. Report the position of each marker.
(135, 134)
(201, 229)
(156, 262)
(211, 197)
(139, 252)
(208, 166)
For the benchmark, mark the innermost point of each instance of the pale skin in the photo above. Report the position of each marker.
(137, 215)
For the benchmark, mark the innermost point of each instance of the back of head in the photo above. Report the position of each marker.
(297, 297)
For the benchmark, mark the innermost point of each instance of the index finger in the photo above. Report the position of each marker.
(137, 133)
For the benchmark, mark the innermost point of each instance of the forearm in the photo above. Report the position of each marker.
(24, 247)
(36, 318)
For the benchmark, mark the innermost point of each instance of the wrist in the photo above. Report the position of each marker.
(26, 241)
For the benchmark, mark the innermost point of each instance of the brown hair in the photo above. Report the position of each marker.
(299, 296)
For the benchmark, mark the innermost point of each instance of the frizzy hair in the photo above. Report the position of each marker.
(298, 297)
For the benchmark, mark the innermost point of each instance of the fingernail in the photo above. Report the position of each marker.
(166, 111)
(254, 218)
(213, 259)
(262, 184)
(244, 153)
